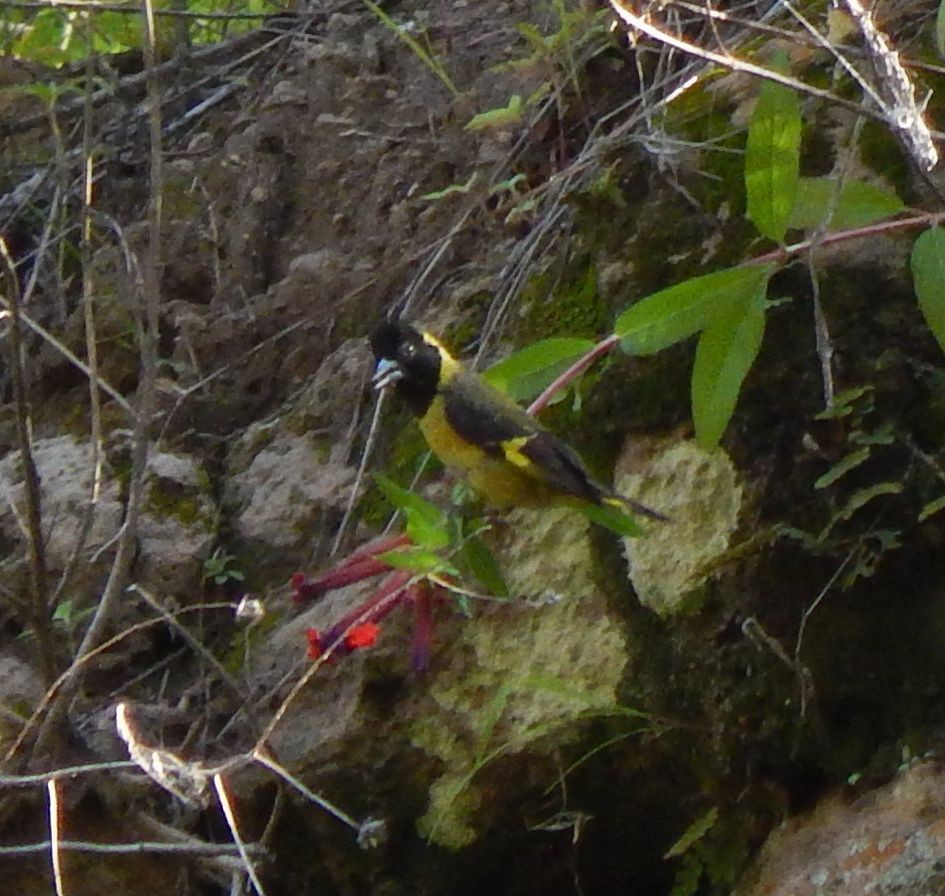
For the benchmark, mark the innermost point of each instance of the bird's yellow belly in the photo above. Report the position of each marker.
(500, 482)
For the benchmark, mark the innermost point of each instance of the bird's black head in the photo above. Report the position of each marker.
(409, 360)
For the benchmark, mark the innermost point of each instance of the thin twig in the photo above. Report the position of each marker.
(900, 111)
(205, 654)
(148, 334)
(263, 759)
(91, 340)
(230, 815)
(54, 691)
(189, 848)
(733, 63)
(52, 791)
(39, 592)
(133, 9)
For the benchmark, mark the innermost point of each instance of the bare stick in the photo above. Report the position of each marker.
(91, 342)
(733, 63)
(901, 113)
(230, 815)
(39, 591)
(52, 789)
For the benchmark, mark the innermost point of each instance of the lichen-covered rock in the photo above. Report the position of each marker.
(322, 405)
(890, 841)
(21, 689)
(699, 490)
(65, 470)
(530, 670)
(280, 488)
(176, 528)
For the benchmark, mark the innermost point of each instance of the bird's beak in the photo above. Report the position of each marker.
(386, 374)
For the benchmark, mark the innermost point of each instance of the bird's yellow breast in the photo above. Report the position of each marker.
(501, 482)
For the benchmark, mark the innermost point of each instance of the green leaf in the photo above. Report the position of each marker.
(932, 507)
(678, 312)
(842, 467)
(481, 563)
(940, 29)
(427, 525)
(611, 518)
(724, 355)
(688, 876)
(864, 495)
(928, 273)
(418, 560)
(63, 612)
(772, 159)
(843, 403)
(696, 831)
(48, 38)
(528, 372)
(503, 117)
(882, 435)
(451, 189)
(858, 204)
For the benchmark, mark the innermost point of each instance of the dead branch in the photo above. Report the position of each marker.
(41, 621)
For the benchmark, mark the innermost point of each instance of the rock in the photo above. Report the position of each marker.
(281, 489)
(64, 467)
(322, 405)
(531, 671)
(700, 491)
(890, 841)
(176, 528)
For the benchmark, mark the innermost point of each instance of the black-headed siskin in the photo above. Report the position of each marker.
(505, 454)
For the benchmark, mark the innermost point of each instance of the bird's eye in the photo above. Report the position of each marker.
(409, 350)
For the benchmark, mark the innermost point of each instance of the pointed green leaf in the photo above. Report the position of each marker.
(676, 313)
(503, 117)
(427, 525)
(928, 273)
(724, 355)
(696, 831)
(481, 563)
(418, 560)
(843, 403)
(858, 204)
(863, 496)
(611, 518)
(772, 159)
(528, 372)
(932, 507)
(842, 467)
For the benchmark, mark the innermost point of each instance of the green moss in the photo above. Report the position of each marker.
(699, 489)
(882, 153)
(530, 673)
(244, 642)
(169, 500)
(573, 307)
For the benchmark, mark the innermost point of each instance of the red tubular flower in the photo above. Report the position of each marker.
(363, 635)
(360, 564)
(422, 627)
(315, 646)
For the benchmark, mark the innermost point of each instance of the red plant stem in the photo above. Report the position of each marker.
(572, 373)
(780, 255)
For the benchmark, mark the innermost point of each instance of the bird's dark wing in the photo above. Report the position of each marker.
(490, 419)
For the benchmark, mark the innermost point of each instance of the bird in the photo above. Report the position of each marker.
(505, 454)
